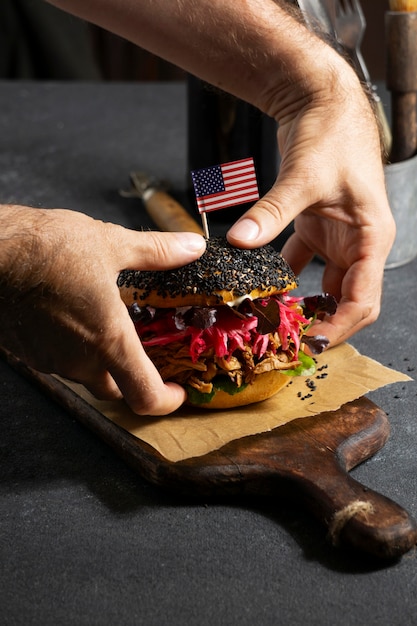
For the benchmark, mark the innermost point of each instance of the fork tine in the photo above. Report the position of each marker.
(348, 6)
(352, 6)
(339, 8)
(356, 6)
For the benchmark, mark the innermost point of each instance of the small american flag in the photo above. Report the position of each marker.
(226, 185)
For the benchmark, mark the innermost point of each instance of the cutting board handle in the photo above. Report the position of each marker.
(309, 461)
(355, 514)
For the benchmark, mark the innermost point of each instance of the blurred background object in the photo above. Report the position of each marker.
(40, 42)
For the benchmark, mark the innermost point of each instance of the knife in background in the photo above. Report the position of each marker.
(168, 214)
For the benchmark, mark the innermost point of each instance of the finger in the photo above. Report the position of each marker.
(349, 319)
(332, 280)
(146, 398)
(143, 389)
(152, 249)
(138, 379)
(359, 304)
(296, 253)
(102, 386)
(130, 375)
(272, 214)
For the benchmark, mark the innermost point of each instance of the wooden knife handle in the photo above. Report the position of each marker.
(168, 214)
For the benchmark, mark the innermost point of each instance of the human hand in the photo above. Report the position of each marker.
(331, 179)
(331, 183)
(60, 308)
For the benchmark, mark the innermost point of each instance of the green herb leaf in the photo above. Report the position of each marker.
(306, 368)
(196, 397)
(222, 384)
(227, 385)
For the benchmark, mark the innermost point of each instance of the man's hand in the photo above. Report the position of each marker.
(331, 180)
(331, 183)
(60, 308)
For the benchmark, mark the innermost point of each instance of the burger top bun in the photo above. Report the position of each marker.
(263, 387)
(222, 275)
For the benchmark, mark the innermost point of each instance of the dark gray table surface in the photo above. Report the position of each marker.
(83, 539)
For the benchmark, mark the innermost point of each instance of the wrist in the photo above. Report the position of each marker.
(311, 74)
(14, 222)
(21, 250)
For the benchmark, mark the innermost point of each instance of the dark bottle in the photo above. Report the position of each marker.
(222, 128)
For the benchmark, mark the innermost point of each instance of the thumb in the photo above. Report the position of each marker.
(154, 250)
(271, 214)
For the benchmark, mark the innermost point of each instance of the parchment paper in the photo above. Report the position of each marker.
(342, 375)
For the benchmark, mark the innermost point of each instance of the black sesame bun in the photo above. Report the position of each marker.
(222, 275)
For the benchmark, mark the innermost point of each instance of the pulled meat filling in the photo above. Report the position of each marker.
(194, 345)
(173, 364)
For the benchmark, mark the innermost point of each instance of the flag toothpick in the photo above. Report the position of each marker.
(222, 186)
(205, 225)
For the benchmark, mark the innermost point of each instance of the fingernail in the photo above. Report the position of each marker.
(245, 230)
(191, 241)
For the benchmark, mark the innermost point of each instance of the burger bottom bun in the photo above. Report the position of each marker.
(263, 387)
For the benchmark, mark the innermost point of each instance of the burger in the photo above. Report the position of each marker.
(226, 326)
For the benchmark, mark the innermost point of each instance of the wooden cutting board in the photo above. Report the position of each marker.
(306, 459)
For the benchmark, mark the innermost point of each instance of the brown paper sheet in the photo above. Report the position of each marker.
(342, 375)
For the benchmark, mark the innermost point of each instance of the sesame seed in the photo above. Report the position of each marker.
(262, 268)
